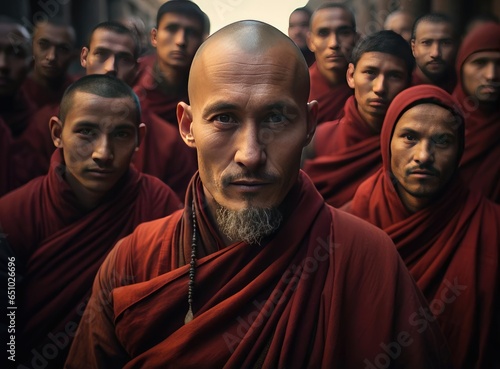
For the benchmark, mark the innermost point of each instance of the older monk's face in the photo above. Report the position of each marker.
(250, 121)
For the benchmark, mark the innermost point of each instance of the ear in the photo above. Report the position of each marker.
(185, 119)
(312, 119)
(83, 57)
(350, 75)
(412, 44)
(56, 128)
(153, 35)
(141, 133)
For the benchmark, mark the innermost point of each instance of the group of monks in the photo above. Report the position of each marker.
(248, 199)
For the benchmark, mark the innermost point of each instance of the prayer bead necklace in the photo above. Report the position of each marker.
(192, 269)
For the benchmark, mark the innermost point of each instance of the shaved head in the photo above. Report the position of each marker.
(258, 43)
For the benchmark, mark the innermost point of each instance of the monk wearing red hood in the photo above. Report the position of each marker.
(257, 271)
(332, 37)
(61, 226)
(447, 235)
(478, 92)
(345, 152)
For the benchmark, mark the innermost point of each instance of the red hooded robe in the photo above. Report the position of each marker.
(450, 247)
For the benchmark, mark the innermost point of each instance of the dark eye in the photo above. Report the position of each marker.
(85, 131)
(441, 140)
(224, 119)
(43, 44)
(275, 118)
(122, 134)
(409, 137)
(323, 33)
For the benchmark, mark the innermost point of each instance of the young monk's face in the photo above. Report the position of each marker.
(99, 137)
(424, 153)
(110, 53)
(14, 58)
(250, 121)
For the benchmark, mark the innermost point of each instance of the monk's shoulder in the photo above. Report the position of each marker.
(140, 252)
(358, 236)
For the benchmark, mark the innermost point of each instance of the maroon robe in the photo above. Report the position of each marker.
(24, 162)
(480, 167)
(153, 99)
(450, 247)
(165, 155)
(59, 248)
(326, 291)
(40, 95)
(347, 152)
(330, 99)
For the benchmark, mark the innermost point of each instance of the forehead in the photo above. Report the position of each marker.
(400, 20)
(331, 17)
(101, 110)
(53, 33)
(181, 19)
(380, 59)
(488, 55)
(112, 40)
(428, 117)
(434, 29)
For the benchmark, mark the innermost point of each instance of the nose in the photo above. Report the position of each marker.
(180, 37)
(250, 152)
(110, 65)
(435, 50)
(333, 41)
(51, 53)
(492, 71)
(424, 152)
(379, 85)
(103, 151)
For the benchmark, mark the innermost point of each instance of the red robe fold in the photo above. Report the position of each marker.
(40, 95)
(347, 153)
(330, 99)
(326, 291)
(24, 162)
(60, 247)
(480, 166)
(450, 248)
(152, 98)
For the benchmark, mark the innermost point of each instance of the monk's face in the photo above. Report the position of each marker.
(424, 153)
(434, 48)
(52, 50)
(99, 137)
(176, 39)
(332, 38)
(110, 53)
(250, 121)
(481, 76)
(14, 58)
(376, 80)
(298, 27)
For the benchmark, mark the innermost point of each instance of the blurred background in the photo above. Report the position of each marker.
(370, 14)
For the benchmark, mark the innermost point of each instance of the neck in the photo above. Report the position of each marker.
(375, 122)
(52, 83)
(172, 81)
(334, 77)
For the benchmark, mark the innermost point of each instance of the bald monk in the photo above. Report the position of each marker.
(162, 81)
(332, 37)
(401, 22)
(61, 226)
(447, 235)
(224, 283)
(478, 92)
(15, 108)
(53, 51)
(344, 152)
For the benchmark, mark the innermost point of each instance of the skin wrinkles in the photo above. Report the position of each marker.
(245, 131)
